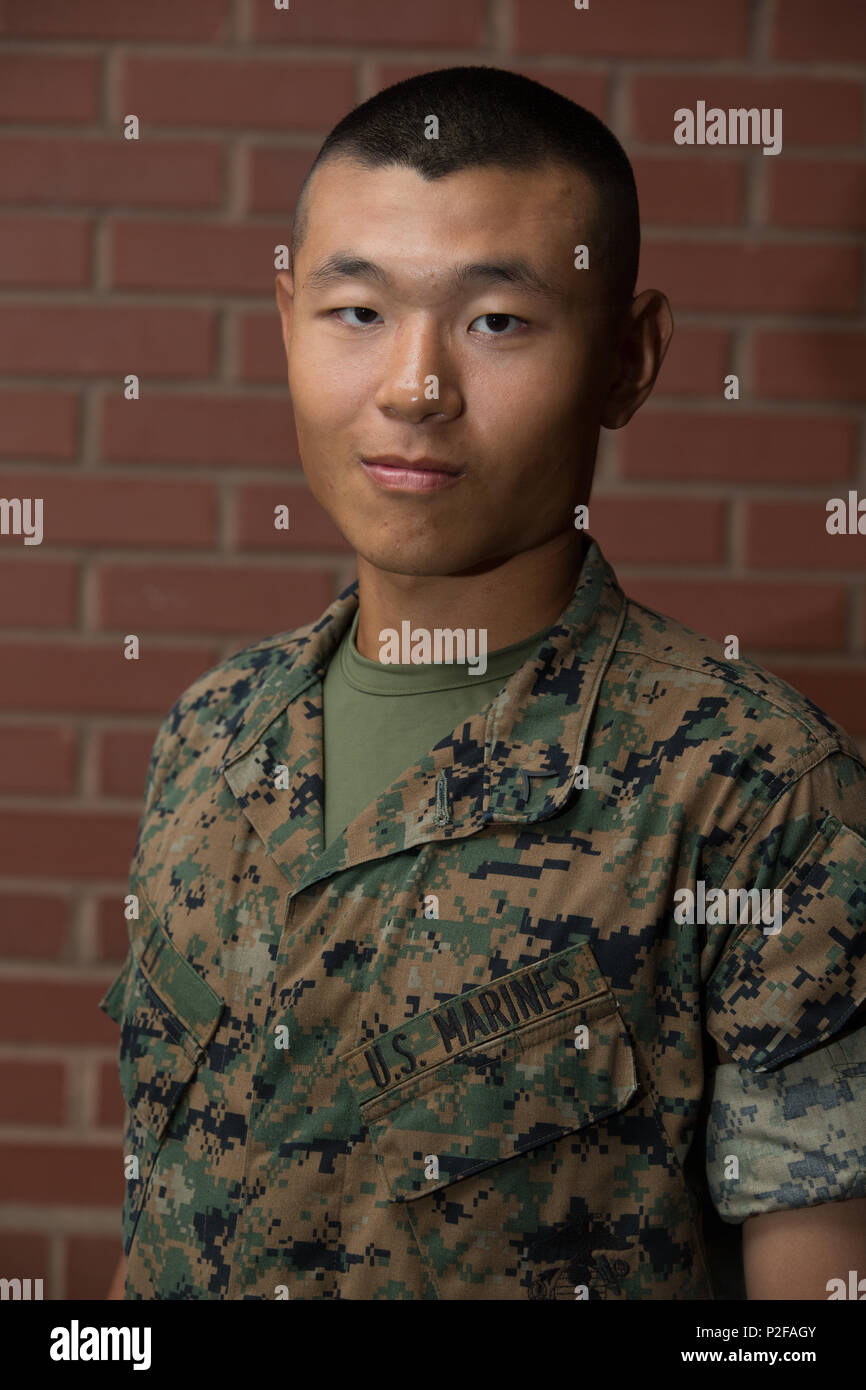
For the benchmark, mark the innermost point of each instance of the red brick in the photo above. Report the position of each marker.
(818, 193)
(691, 192)
(38, 759)
(90, 1264)
(659, 530)
(44, 251)
(776, 277)
(93, 509)
(37, 592)
(730, 445)
(793, 535)
(587, 88)
(88, 679)
(24, 1256)
(696, 362)
(762, 615)
(39, 424)
(32, 1093)
(39, 88)
(112, 929)
(98, 171)
(110, 1108)
(210, 598)
(836, 31)
(261, 354)
(815, 111)
(241, 431)
(273, 95)
(222, 259)
(33, 926)
(447, 24)
(663, 29)
(840, 692)
(106, 340)
(274, 178)
(77, 844)
(122, 758)
(62, 1175)
(37, 1010)
(810, 365)
(310, 527)
(105, 19)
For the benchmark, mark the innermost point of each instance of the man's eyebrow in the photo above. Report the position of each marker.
(514, 271)
(344, 266)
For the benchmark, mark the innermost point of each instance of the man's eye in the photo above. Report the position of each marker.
(355, 309)
(496, 325)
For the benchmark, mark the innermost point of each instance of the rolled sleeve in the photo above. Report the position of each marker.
(792, 1137)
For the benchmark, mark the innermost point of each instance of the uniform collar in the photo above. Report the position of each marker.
(513, 762)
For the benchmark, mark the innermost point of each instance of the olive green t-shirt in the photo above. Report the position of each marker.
(380, 719)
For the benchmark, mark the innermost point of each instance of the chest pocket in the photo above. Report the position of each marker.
(167, 1015)
(554, 1057)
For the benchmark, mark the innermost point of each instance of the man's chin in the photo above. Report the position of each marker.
(429, 561)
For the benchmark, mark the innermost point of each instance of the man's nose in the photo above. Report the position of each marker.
(419, 380)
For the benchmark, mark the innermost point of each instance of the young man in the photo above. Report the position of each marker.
(441, 984)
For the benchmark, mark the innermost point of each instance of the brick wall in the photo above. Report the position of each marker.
(155, 257)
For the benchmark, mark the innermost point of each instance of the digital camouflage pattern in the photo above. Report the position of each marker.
(468, 1051)
(762, 1117)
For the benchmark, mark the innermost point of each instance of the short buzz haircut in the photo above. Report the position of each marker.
(492, 117)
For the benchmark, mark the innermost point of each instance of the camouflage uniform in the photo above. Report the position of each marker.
(468, 1051)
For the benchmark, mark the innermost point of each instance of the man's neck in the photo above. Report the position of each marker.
(511, 601)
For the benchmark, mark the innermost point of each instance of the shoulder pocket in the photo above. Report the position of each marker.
(168, 1015)
(773, 996)
(554, 1056)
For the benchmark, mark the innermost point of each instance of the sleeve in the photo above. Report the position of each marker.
(792, 1137)
(787, 1117)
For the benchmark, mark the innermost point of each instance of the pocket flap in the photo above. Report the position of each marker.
(168, 1016)
(521, 1087)
(185, 995)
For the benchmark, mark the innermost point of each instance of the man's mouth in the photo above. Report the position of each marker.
(411, 475)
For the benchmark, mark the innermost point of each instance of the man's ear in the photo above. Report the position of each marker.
(641, 351)
(285, 288)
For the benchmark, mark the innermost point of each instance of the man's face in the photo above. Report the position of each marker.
(499, 381)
